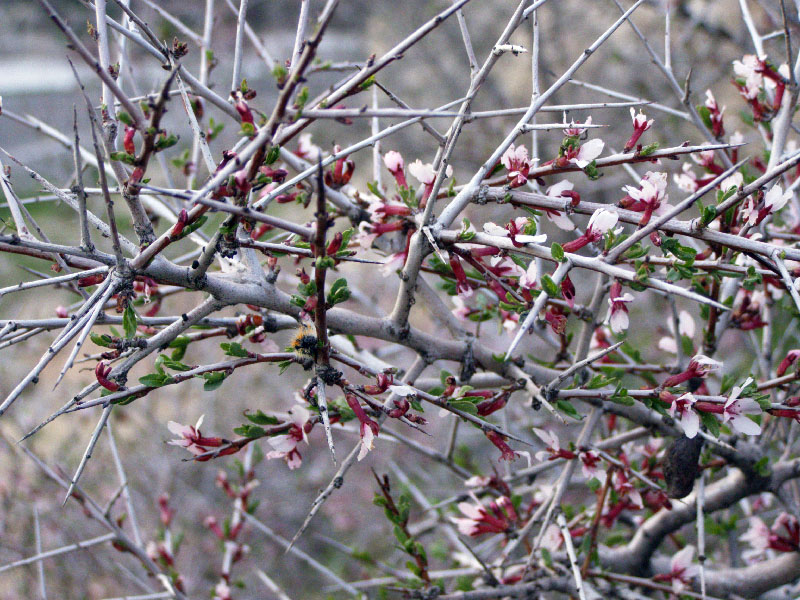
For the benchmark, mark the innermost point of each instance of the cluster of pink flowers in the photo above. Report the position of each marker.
(754, 75)
(499, 517)
(590, 462)
(734, 411)
(783, 536)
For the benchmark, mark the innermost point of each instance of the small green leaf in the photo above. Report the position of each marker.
(557, 252)
(705, 114)
(101, 340)
(129, 319)
(567, 408)
(156, 380)
(250, 431)
(649, 149)
(711, 423)
(273, 154)
(549, 286)
(213, 380)
(234, 349)
(259, 418)
(128, 159)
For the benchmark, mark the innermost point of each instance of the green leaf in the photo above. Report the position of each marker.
(248, 130)
(708, 214)
(705, 114)
(598, 381)
(283, 365)
(173, 364)
(129, 319)
(234, 349)
(128, 159)
(591, 171)
(156, 379)
(400, 534)
(125, 118)
(166, 141)
(464, 406)
(273, 154)
(192, 227)
(549, 286)
(649, 149)
(711, 423)
(687, 345)
(622, 397)
(548, 560)
(567, 408)
(684, 253)
(259, 418)
(557, 252)
(250, 431)
(179, 344)
(339, 292)
(213, 380)
(104, 340)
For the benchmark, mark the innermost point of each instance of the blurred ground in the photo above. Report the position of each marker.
(35, 79)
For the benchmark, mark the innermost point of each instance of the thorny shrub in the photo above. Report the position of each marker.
(688, 430)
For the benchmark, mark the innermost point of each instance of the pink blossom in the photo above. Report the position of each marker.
(307, 149)
(625, 489)
(715, 114)
(788, 361)
(461, 311)
(552, 539)
(736, 411)
(590, 465)
(568, 291)
(577, 129)
(681, 409)
(774, 200)
(784, 536)
(588, 152)
(640, 125)
(618, 311)
(514, 231)
(516, 162)
(463, 288)
(285, 446)
(687, 180)
(425, 173)
(553, 450)
(648, 197)
(394, 162)
(190, 437)
(529, 279)
(498, 517)
(700, 366)
(601, 221)
(368, 428)
(563, 189)
(503, 266)
(751, 69)
(682, 571)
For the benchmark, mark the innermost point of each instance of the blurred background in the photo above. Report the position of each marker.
(36, 80)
